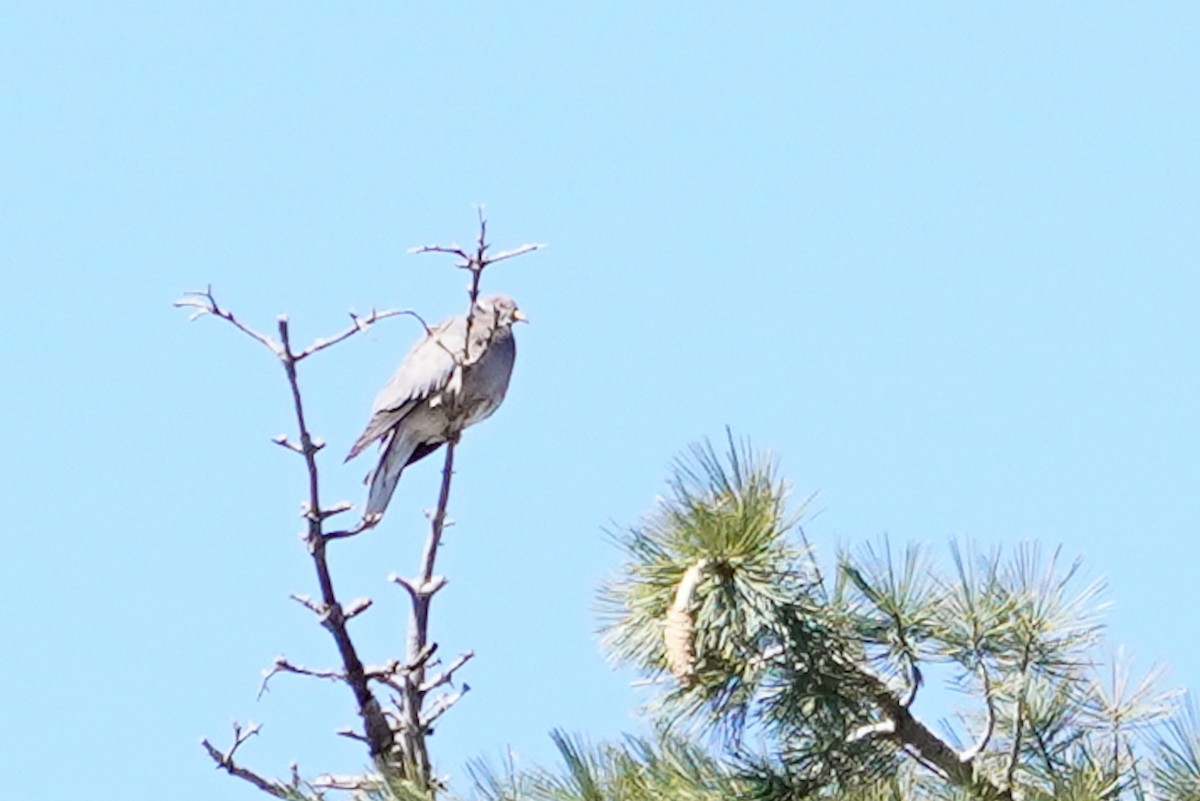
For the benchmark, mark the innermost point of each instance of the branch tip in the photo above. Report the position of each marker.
(356, 607)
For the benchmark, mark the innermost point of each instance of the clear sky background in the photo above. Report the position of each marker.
(940, 257)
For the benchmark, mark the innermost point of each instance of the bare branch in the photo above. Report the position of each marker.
(283, 441)
(421, 591)
(422, 588)
(481, 244)
(923, 742)
(205, 303)
(356, 607)
(405, 583)
(226, 763)
(360, 324)
(356, 529)
(351, 734)
(422, 659)
(447, 673)
(330, 611)
(308, 603)
(389, 673)
(442, 705)
(453, 250)
(517, 251)
(378, 732)
(407, 678)
(329, 781)
(282, 665)
(337, 509)
(884, 728)
(478, 261)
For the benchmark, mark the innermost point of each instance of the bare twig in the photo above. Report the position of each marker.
(421, 593)
(422, 588)
(394, 673)
(453, 250)
(442, 705)
(914, 735)
(332, 615)
(356, 607)
(225, 761)
(358, 528)
(360, 324)
(282, 665)
(283, 441)
(205, 303)
(337, 509)
(308, 603)
(517, 251)
(379, 734)
(884, 728)
(351, 734)
(329, 781)
(446, 675)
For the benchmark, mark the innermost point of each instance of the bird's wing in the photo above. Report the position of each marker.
(427, 369)
(383, 478)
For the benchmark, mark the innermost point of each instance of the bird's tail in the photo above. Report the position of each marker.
(375, 429)
(386, 475)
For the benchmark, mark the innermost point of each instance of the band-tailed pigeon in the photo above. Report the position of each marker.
(438, 391)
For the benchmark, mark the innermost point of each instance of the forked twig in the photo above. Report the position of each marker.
(225, 761)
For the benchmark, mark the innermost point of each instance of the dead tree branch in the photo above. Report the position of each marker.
(442, 705)
(204, 303)
(282, 665)
(396, 740)
(447, 674)
(379, 734)
(333, 616)
(225, 761)
(360, 325)
(425, 585)
(906, 729)
(421, 594)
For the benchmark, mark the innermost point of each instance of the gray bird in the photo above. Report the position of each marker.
(438, 391)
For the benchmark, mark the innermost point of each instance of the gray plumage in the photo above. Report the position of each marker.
(437, 392)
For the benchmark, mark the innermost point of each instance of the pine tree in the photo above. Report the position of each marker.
(779, 682)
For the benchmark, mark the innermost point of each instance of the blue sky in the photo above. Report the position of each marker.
(939, 257)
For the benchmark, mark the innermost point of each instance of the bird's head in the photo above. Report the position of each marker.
(502, 308)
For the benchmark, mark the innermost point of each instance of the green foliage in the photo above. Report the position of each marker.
(733, 517)
(636, 770)
(1176, 764)
(778, 684)
(729, 519)
(826, 675)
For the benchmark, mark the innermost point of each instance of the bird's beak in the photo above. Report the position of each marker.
(519, 316)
